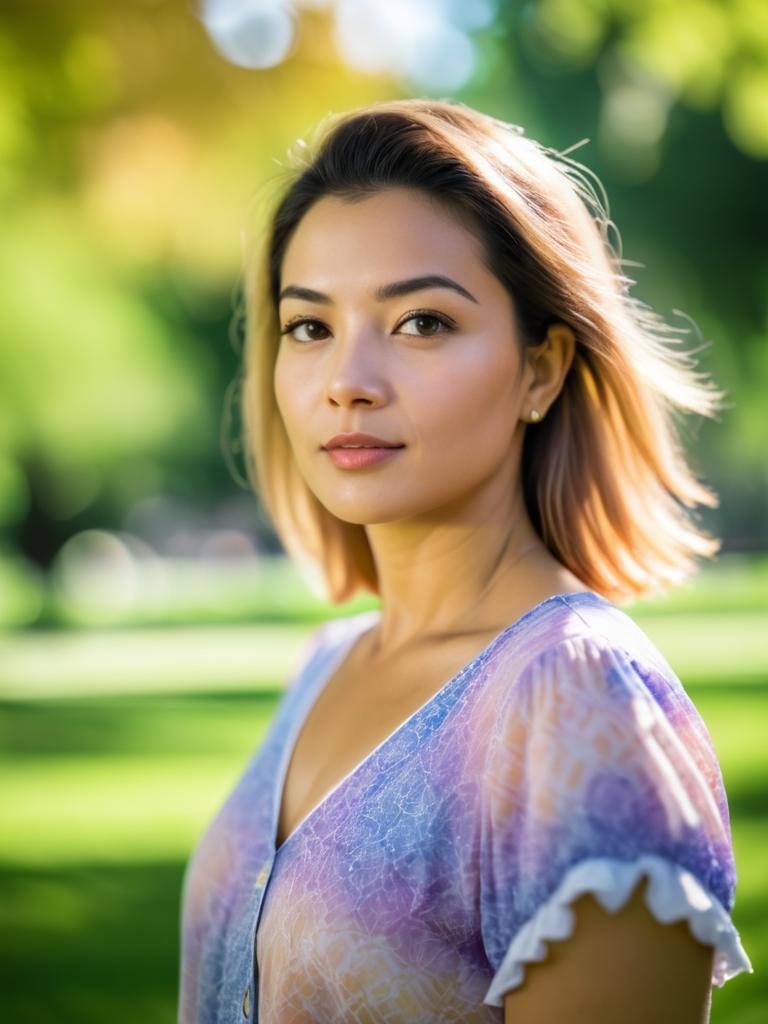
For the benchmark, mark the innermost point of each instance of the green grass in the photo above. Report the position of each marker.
(103, 799)
(121, 780)
(117, 746)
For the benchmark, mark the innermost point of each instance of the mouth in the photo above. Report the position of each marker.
(361, 456)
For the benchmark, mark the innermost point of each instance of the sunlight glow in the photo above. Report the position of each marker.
(251, 33)
(424, 43)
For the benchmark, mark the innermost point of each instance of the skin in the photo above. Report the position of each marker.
(625, 967)
(445, 517)
(456, 553)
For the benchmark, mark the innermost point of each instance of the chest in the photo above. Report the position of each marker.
(358, 708)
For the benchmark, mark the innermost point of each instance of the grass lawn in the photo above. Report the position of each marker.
(118, 747)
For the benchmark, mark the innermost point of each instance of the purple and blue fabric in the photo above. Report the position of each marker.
(565, 758)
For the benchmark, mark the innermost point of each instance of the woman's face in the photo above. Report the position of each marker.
(433, 368)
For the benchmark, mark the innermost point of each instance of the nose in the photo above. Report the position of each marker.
(355, 373)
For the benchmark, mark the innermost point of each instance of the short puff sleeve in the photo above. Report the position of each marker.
(601, 770)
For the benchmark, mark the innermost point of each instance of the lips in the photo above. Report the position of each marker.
(361, 458)
(358, 440)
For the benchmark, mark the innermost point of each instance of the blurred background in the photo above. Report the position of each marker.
(149, 619)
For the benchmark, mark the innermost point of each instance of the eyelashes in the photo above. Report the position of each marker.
(446, 324)
(291, 326)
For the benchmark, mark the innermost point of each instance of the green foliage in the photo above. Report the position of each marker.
(118, 748)
(132, 156)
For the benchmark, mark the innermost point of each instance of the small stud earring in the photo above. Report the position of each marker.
(535, 416)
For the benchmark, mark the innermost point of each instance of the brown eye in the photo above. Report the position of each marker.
(428, 324)
(311, 325)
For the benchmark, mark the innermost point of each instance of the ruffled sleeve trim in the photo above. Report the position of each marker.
(673, 894)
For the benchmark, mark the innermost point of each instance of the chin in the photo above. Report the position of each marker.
(365, 515)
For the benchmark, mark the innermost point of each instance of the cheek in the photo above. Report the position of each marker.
(297, 403)
(476, 397)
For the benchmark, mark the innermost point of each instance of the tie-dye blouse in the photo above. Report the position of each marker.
(565, 758)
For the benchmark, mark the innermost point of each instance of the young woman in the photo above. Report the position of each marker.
(491, 798)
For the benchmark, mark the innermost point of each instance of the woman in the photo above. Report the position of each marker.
(491, 798)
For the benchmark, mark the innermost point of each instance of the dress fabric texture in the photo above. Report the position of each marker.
(565, 758)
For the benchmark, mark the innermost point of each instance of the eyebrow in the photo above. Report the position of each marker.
(386, 291)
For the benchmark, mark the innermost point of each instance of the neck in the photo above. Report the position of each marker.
(451, 571)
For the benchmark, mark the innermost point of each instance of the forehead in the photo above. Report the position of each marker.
(390, 230)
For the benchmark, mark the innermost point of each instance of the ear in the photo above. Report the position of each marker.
(547, 365)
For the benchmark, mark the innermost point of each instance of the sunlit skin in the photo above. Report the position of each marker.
(454, 547)
(455, 550)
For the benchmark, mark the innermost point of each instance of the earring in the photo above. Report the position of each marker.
(535, 416)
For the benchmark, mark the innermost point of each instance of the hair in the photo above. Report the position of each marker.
(605, 478)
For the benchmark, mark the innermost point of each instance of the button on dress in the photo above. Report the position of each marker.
(565, 758)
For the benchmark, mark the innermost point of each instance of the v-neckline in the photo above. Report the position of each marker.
(335, 662)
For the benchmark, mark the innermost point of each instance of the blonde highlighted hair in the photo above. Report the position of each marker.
(605, 478)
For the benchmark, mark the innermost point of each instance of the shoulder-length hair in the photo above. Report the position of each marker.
(605, 478)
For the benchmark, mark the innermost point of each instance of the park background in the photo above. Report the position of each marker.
(149, 617)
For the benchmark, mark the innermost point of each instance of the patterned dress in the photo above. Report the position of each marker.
(565, 758)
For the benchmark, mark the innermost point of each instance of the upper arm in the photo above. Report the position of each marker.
(624, 966)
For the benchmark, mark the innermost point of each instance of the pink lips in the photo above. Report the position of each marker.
(359, 458)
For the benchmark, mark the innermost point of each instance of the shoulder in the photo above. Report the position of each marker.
(334, 638)
(581, 643)
(594, 622)
(601, 735)
(605, 696)
(342, 627)
(601, 770)
(326, 641)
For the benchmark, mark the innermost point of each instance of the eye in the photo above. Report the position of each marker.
(302, 322)
(423, 317)
(430, 319)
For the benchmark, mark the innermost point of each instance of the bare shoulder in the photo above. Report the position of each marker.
(625, 966)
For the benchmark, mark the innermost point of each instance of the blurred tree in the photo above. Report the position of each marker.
(131, 153)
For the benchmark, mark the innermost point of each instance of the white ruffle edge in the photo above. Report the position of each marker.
(673, 894)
